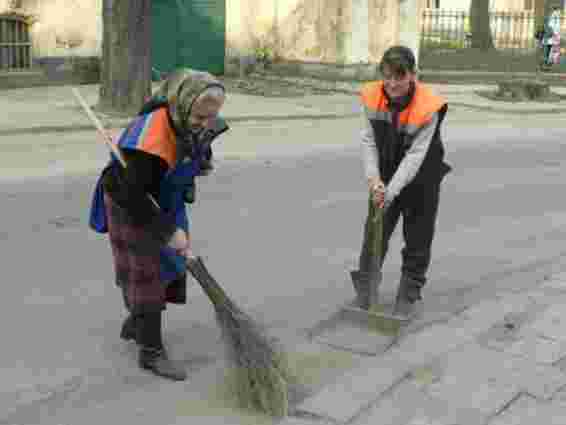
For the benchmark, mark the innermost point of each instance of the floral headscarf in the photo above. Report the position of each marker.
(181, 89)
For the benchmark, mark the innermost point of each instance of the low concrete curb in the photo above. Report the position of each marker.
(503, 110)
(116, 124)
(121, 123)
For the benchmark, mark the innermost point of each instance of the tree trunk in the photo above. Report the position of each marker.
(480, 25)
(126, 55)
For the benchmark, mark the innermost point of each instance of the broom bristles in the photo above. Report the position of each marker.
(262, 372)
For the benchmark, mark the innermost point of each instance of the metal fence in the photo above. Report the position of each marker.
(451, 30)
(15, 44)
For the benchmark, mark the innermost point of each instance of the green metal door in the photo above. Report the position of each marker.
(189, 33)
(164, 28)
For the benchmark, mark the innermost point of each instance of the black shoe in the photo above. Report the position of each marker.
(404, 307)
(129, 331)
(156, 360)
(152, 355)
(408, 294)
(366, 285)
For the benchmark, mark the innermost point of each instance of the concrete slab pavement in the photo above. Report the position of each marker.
(499, 362)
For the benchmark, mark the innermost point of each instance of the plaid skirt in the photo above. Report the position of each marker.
(137, 265)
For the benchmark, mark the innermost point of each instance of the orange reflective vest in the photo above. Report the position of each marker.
(394, 141)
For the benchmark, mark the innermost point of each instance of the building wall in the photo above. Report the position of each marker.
(326, 31)
(65, 27)
(304, 30)
(384, 26)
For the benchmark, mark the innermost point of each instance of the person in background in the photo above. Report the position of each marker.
(551, 39)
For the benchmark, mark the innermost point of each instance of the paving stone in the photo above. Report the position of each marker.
(422, 347)
(541, 381)
(527, 411)
(472, 377)
(538, 348)
(407, 404)
(437, 412)
(429, 343)
(514, 336)
(491, 378)
(504, 304)
(356, 390)
(546, 296)
(560, 396)
(302, 421)
(504, 333)
(397, 407)
(552, 323)
(559, 284)
(356, 339)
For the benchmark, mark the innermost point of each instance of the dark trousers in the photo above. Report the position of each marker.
(418, 205)
(547, 49)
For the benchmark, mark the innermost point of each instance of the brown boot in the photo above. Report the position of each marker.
(152, 354)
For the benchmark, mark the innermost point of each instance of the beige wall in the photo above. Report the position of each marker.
(508, 5)
(306, 30)
(60, 23)
(313, 30)
(63, 22)
(384, 26)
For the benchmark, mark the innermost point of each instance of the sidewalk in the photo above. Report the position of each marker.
(54, 109)
(499, 362)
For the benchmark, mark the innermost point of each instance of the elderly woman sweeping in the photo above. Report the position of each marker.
(165, 147)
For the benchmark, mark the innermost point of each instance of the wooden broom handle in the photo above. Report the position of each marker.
(107, 139)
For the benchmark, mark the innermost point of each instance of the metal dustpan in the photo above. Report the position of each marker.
(366, 281)
(367, 308)
(364, 325)
(379, 317)
(368, 331)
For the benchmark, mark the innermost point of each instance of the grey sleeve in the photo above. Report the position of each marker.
(370, 157)
(412, 161)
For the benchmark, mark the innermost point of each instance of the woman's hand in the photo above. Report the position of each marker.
(377, 190)
(179, 241)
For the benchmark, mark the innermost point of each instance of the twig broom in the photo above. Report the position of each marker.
(262, 374)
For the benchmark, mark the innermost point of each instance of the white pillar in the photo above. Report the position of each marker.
(358, 46)
(408, 25)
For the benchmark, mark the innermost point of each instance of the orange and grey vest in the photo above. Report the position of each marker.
(393, 139)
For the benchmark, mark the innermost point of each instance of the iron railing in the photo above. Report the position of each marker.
(451, 29)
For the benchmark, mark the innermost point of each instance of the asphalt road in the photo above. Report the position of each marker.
(279, 225)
